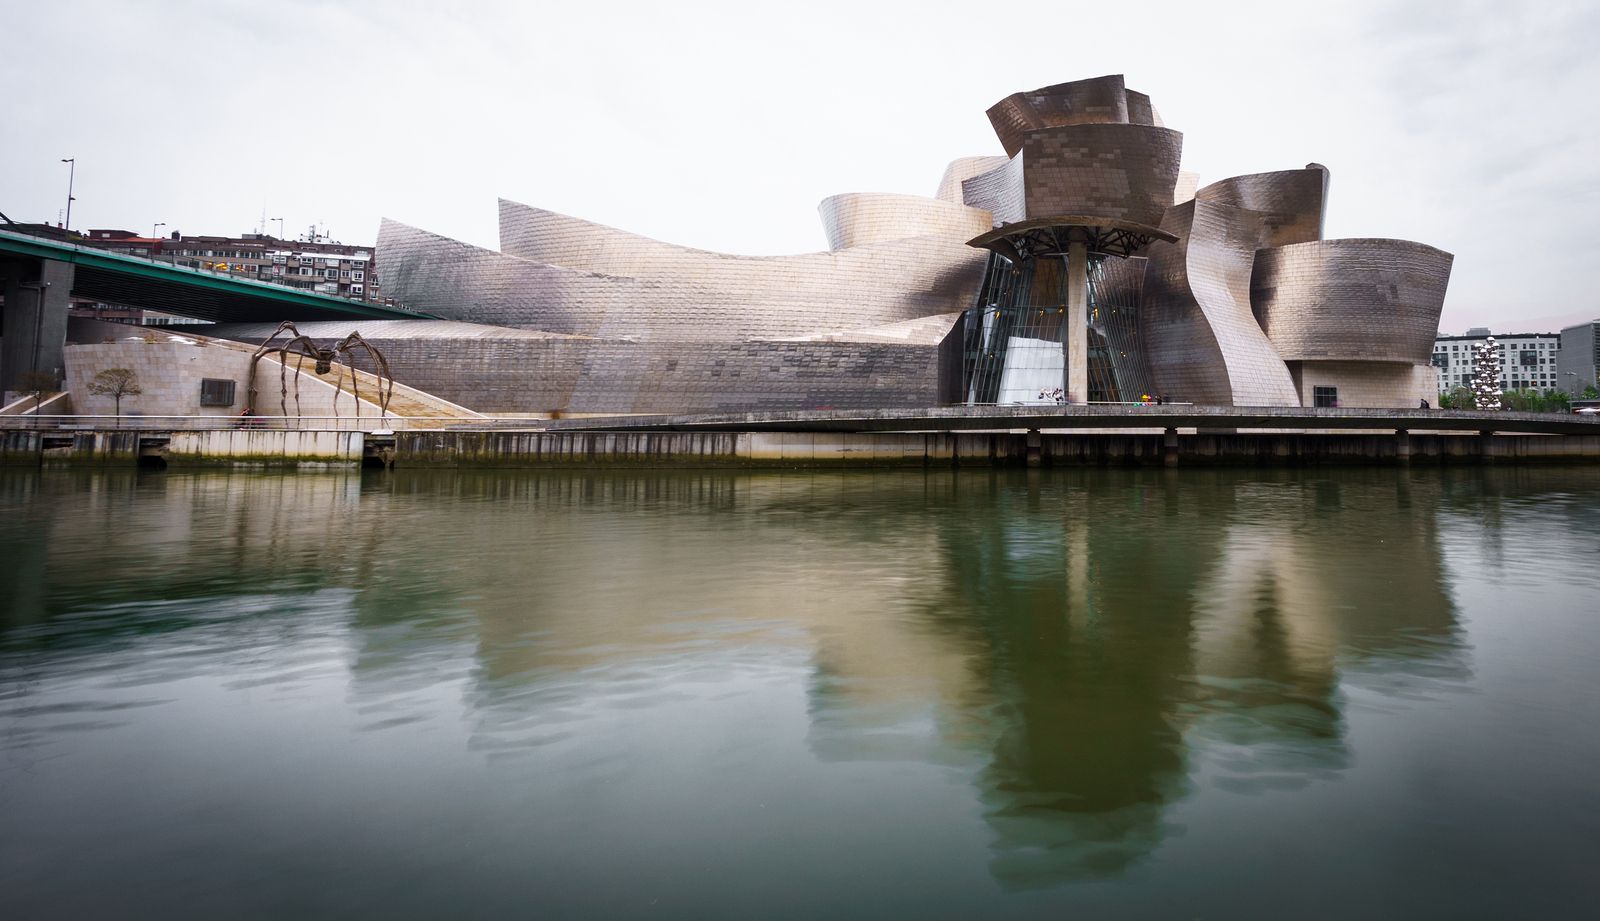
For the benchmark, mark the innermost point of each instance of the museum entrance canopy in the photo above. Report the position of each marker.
(151, 285)
(1054, 235)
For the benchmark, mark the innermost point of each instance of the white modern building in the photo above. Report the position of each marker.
(1527, 360)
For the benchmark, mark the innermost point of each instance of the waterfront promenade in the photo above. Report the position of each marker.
(1170, 435)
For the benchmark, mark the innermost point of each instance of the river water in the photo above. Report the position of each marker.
(1363, 693)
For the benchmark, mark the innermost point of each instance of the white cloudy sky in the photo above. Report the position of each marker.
(1464, 124)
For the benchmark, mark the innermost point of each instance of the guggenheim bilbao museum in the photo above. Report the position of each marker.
(1081, 265)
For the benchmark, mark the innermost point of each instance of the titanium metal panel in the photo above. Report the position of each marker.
(1101, 100)
(861, 218)
(1127, 172)
(1203, 343)
(1359, 299)
(959, 171)
(671, 292)
(1293, 204)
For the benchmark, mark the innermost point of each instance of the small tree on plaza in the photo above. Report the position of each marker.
(116, 383)
(1486, 374)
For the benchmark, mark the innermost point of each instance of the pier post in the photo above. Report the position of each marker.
(1402, 446)
(1034, 442)
(1169, 447)
(37, 297)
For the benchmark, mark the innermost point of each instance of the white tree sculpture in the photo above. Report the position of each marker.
(1486, 374)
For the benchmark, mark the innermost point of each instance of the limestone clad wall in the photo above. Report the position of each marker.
(1367, 384)
(614, 376)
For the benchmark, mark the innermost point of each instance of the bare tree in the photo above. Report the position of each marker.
(37, 383)
(116, 383)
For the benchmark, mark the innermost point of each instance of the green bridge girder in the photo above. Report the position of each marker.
(150, 285)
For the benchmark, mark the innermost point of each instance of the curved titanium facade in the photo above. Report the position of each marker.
(861, 218)
(628, 286)
(1098, 101)
(1291, 204)
(1204, 342)
(1246, 305)
(998, 191)
(1125, 172)
(1363, 299)
(959, 171)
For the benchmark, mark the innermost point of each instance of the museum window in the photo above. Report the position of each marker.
(1324, 397)
(216, 392)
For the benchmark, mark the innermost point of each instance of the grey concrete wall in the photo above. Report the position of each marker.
(35, 323)
(1578, 357)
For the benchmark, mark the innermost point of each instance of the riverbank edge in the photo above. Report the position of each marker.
(514, 449)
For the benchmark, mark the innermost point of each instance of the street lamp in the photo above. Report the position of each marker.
(72, 173)
(280, 226)
(154, 227)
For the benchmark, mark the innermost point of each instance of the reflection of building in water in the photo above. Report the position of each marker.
(1114, 640)
(1073, 638)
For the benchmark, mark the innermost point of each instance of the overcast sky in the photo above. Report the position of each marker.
(1467, 125)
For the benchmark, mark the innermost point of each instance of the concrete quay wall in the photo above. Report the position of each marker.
(576, 449)
(510, 449)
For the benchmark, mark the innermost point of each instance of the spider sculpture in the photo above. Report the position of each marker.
(300, 347)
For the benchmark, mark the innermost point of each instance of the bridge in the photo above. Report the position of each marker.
(41, 277)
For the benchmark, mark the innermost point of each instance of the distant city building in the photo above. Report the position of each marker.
(1580, 356)
(1527, 360)
(320, 265)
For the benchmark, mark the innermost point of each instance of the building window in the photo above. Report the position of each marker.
(1325, 397)
(216, 392)
(356, 289)
(330, 273)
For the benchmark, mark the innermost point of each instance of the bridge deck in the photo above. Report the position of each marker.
(154, 285)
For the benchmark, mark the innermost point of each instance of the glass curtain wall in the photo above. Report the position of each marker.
(1118, 372)
(1015, 335)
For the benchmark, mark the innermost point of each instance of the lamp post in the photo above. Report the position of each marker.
(280, 226)
(156, 226)
(72, 173)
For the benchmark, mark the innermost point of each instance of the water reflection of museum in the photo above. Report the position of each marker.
(1069, 641)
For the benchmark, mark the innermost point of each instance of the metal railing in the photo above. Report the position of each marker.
(349, 423)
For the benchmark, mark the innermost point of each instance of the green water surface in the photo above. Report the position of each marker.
(976, 694)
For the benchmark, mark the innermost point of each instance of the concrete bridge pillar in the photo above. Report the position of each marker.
(1169, 447)
(1034, 444)
(33, 328)
(1402, 446)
